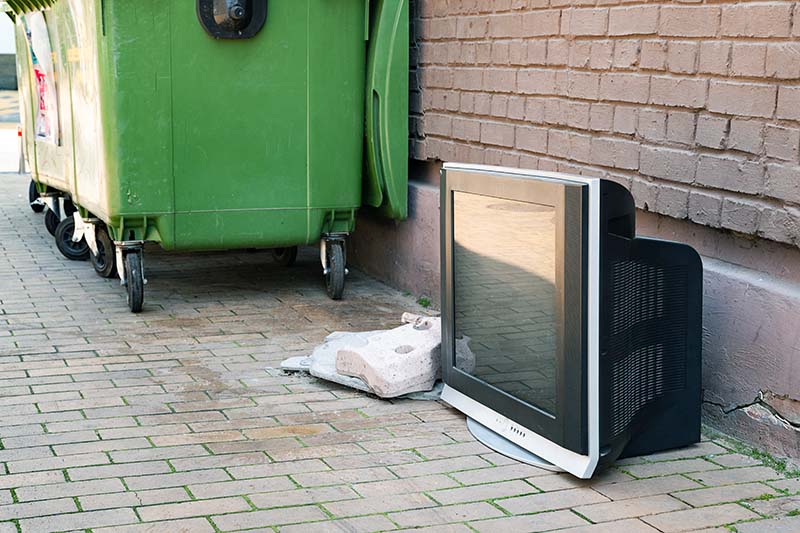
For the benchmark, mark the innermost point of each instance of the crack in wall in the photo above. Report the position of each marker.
(761, 400)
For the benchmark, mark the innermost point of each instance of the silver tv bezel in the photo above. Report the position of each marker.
(582, 466)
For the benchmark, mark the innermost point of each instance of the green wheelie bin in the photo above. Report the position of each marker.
(213, 124)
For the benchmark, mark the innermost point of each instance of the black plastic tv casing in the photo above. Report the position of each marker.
(631, 378)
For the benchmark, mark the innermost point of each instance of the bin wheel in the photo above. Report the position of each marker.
(334, 277)
(33, 196)
(285, 256)
(51, 222)
(75, 251)
(105, 262)
(135, 281)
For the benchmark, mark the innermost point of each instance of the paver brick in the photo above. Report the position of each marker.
(403, 486)
(550, 501)
(485, 492)
(85, 520)
(364, 524)
(274, 517)
(289, 498)
(244, 486)
(440, 466)
(175, 480)
(378, 504)
(645, 487)
(670, 467)
(445, 515)
(171, 511)
(724, 494)
(630, 508)
(699, 518)
(736, 475)
(191, 525)
(532, 523)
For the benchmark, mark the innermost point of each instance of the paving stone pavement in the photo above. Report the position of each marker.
(177, 419)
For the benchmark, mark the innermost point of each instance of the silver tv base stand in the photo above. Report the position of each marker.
(504, 446)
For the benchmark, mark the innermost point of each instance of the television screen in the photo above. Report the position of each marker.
(506, 284)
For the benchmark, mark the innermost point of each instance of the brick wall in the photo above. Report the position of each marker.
(695, 106)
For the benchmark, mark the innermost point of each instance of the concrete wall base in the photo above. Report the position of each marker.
(751, 318)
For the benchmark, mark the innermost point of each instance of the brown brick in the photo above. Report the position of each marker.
(741, 216)
(497, 134)
(536, 81)
(616, 153)
(789, 103)
(685, 21)
(654, 55)
(666, 163)
(783, 182)
(584, 22)
(711, 131)
(583, 85)
(531, 139)
(601, 117)
(783, 60)
(680, 92)
(541, 23)
(746, 135)
(625, 119)
(714, 57)
(748, 59)
(466, 129)
(779, 224)
(644, 193)
(782, 143)
(652, 124)
(445, 515)
(626, 54)
(672, 201)
(682, 56)
(640, 20)
(729, 173)
(557, 51)
(681, 127)
(757, 20)
(705, 208)
(507, 25)
(748, 99)
(471, 27)
(536, 53)
(624, 87)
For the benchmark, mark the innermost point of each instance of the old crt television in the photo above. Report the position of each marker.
(565, 336)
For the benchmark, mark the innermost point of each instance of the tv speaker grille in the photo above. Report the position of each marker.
(647, 337)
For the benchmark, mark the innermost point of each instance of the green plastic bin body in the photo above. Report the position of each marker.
(169, 135)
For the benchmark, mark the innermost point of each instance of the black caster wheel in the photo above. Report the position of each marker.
(51, 222)
(75, 251)
(105, 262)
(285, 256)
(33, 197)
(334, 277)
(134, 276)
